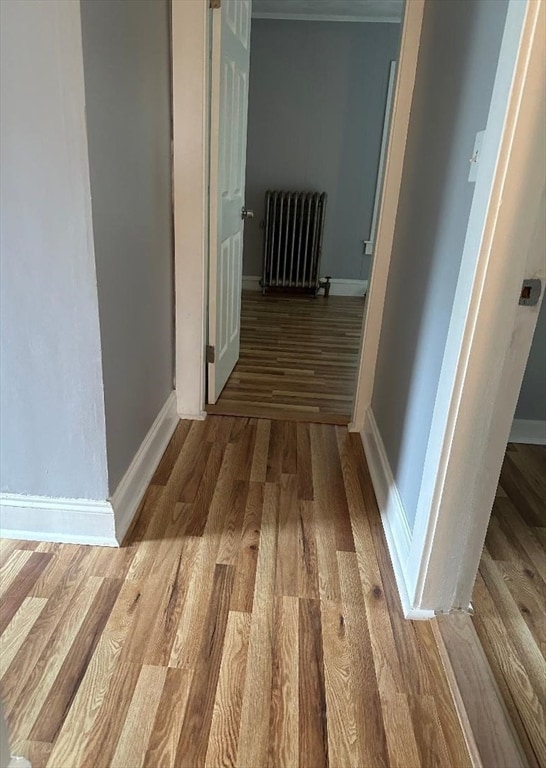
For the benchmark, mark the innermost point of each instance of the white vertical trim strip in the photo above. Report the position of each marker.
(382, 156)
(190, 61)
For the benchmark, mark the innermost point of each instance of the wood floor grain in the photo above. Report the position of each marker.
(251, 619)
(298, 358)
(491, 736)
(510, 595)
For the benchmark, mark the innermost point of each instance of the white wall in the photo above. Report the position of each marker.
(52, 428)
(127, 85)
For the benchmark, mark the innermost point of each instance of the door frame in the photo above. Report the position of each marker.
(191, 76)
(191, 108)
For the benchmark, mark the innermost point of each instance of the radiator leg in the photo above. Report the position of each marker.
(325, 283)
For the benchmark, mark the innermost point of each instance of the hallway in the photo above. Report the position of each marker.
(251, 619)
(298, 358)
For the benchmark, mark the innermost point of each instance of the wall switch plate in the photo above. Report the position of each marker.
(475, 159)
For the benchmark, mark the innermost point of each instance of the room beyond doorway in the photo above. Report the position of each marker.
(298, 358)
(300, 198)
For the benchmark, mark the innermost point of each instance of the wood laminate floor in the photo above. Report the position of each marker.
(510, 594)
(251, 620)
(298, 358)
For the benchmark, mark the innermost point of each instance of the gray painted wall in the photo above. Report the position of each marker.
(4, 741)
(127, 86)
(316, 108)
(532, 397)
(52, 433)
(457, 62)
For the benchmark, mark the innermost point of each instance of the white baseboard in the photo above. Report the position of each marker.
(393, 515)
(251, 283)
(200, 416)
(129, 493)
(527, 431)
(69, 521)
(338, 286)
(83, 521)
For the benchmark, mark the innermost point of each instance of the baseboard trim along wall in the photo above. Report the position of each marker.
(338, 286)
(393, 514)
(129, 493)
(83, 521)
(200, 416)
(69, 521)
(528, 431)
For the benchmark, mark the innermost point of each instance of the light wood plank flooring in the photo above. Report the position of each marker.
(510, 594)
(251, 620)
(298, 358)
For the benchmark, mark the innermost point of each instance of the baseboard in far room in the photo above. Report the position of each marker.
(528, 431)
(68, 521)
(393, 514)
(338, 286)
(129, 493)
(84, 521)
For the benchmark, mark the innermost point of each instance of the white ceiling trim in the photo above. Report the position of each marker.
(324, 17)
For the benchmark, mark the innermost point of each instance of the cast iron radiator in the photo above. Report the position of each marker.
(294, 224)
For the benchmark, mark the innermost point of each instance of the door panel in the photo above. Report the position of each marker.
(229, 106)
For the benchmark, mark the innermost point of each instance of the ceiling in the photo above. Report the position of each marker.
(339, 10)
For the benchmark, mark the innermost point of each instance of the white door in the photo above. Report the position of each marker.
(229, 106)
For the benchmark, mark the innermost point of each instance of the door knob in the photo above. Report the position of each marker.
(246, 213)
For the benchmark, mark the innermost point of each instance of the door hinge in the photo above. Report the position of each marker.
(215, 4)
(210, 353)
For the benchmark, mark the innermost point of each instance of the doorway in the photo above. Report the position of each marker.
(318, 119)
